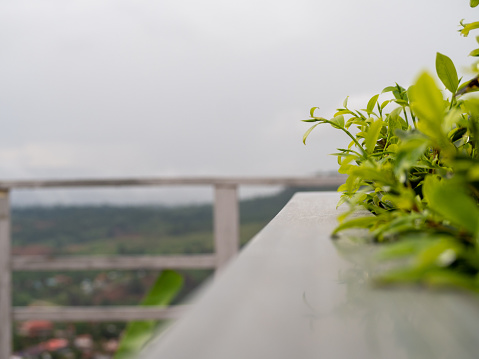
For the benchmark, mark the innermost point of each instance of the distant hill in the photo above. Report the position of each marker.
(134, 229)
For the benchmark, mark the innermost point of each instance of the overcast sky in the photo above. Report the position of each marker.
(135, 88)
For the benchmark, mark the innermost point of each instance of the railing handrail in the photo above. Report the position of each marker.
(175, 181)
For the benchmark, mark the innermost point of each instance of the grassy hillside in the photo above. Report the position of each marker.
(132, 230)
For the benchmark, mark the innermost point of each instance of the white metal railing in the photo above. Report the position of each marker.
(225, 233)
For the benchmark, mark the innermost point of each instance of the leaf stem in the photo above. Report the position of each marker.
(405, 116)
(364, 153)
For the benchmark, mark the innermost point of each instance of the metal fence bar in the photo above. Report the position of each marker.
(5, 278)
(226, 223)
(98, 314)
(28, 263)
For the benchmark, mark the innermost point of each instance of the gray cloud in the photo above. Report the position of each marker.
(151, 88)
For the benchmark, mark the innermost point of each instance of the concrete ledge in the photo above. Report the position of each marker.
(295, 293)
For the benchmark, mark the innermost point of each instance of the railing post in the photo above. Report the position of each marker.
(226, 223)
(5, 278)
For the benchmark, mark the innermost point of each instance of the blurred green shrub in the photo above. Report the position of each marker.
(413, 162)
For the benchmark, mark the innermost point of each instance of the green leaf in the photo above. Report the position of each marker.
(389, 89)
(362, 222)
(137, 333)
(311, 112)
(474, 52)
(400, 93)
(372, 135)
(402, 248)
(436, 278)
(395, 113)
(306, 134)
(401, 102)
(344, 112)
(430, 256)
(345, 166)
(447, 72)
(392, 147)
(404, 275)
(371, 103)
(447, 278)
(407, 155)
(474, 3)
(338, 121)
(403, 224)
(469, 27)
(382, 175)
(345, 102)
(457, 133)
(451, 119)
(472, 106)
(428, 104)
(449, 199)
(384, 104)
(469, 86)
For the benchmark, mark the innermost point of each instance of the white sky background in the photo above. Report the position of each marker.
(135, 88)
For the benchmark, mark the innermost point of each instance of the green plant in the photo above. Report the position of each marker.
(138, 333)
(413, 163)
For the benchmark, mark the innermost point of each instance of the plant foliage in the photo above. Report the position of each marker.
(138, 333)
(413, 163)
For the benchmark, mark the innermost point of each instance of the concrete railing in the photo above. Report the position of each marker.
(226, 243)
(293, 292)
